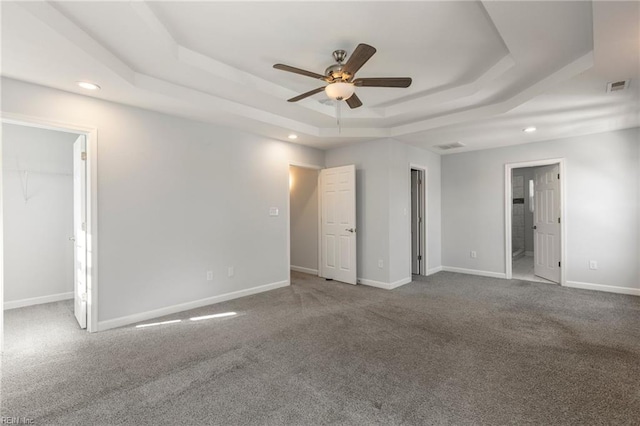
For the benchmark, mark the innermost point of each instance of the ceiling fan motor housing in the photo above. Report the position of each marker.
(335, 73)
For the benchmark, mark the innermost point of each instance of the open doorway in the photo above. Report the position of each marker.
(303, 219)
(418, 221)
(535, 242)
(48, 226)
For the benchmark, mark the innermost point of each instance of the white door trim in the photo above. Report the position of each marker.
(508, 168)
(304, 166)
(425, 226)
(91, 134)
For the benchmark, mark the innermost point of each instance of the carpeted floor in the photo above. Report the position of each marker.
(448, 349)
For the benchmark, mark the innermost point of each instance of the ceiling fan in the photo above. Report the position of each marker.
(340, 77)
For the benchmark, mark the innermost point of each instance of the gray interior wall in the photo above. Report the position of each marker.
(602, 197)
(383, 203)
(177, 198)
(304, 217)
(402, 156)
(38, 255)
(371, 160)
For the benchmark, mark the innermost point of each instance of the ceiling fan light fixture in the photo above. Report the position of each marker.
(340, 91)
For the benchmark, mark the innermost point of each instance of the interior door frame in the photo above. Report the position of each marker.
(508, 169)
(424, 267)
(91, 134)
(304, 166)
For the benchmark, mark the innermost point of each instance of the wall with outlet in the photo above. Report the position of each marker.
(383, 202)
(372, 204)
(303, 210)
(37, 186)
(177, 199)
(602, 214)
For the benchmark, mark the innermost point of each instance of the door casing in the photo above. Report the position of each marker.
(424, 266)
(91, 134)
(508, 168)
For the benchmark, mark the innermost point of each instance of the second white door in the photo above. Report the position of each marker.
(338, 224)
(546, 241)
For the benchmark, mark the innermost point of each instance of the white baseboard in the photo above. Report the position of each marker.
(434, 270)
(475, 272)
(401, 282)
(143, 316)
(372, 283)
(304, 270)
(386, 286)
(602, 287)
(37, 300)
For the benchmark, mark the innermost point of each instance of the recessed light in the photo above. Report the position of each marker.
(88, 86)
(292, 136)
(529, 129)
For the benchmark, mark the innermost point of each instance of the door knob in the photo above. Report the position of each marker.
(534, 227)
(352, 230)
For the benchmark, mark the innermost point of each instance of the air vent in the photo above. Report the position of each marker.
(450, 145)
(615, 86)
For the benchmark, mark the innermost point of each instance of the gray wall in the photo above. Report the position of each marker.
(383, 203)
(176, 198)
(304, 218)
(602, 197)
(38, 256)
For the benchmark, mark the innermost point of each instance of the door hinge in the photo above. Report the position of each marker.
(558, 220)
(83, 297)
(419, 257)
(559, 264)
(84, 226)
(83, 156)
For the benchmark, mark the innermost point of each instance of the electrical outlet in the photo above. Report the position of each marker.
(474, 254)
(231, 272)
(209, 275)
(380, 263)
(593, 264)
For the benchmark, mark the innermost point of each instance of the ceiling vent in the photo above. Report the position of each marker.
(450, 145)
(616, 86)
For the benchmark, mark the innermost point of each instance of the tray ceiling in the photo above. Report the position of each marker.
(481, 70)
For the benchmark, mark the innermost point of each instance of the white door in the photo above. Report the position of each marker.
(546, 241)
(79, 226)
(338, 224)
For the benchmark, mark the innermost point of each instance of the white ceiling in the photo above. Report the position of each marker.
(482, 71)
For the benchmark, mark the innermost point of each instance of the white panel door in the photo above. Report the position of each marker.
(338, 224)
(546, 241)
(79, 227)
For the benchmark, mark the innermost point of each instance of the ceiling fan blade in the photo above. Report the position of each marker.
(354, 101)
(295, 70)
(306, 95)
(383, 82)
(360, 55)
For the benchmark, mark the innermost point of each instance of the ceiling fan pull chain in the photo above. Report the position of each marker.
(338, 116)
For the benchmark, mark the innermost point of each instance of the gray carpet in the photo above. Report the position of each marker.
(448, 349)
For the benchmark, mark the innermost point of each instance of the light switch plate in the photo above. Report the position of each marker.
(273, 211)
